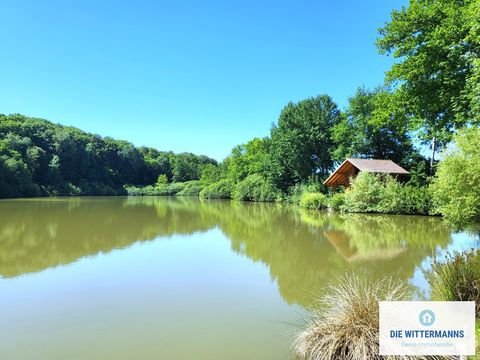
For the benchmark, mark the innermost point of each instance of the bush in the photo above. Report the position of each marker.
(456, 186)
(336, 201)
(191, 188)
(162, 179)
(313, 201)
(220, 190)
(158, 190)
(296, 191)
(255, 188)
(390, 196)
(344, 325)
(375, 193)
(458, 278)
(365, 193)
(417, 200)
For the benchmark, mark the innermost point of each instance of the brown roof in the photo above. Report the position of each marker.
(377, 166)
(347, 169)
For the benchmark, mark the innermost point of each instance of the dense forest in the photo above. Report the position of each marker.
(39, 158)
(431, 96)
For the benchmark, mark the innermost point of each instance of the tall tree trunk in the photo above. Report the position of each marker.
(432, 158)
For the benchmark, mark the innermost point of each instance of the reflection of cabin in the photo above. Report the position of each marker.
(351, 167)
(341, 242)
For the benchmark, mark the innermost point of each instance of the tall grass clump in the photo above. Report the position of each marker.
(458, 278)
(344, 324)
(313, 201)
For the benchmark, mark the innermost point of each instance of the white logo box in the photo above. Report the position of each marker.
(427, 328)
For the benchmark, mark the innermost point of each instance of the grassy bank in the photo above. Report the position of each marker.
(344, 325)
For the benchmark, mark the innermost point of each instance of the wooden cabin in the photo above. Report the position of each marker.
(351, 167)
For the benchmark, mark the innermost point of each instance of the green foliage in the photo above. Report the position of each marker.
(420, 174)
(374, 193)
(38, 157)
(220, 190)
(190, 188)
(248, 159)
(477, 337)
(302, 141)
(255, 188)
(456, 186)
(162, 180)
(416, 200)
(296, 191)
(187, 166)
(336, 201)
(364, 194)
(211, 174)
(458, 278)
(171, 189)
(313, 201)
(437, 74)
(375, 127)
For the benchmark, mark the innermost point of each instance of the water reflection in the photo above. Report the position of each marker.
(302, 250)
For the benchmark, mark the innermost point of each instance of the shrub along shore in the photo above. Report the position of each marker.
(39, 158)
(453, 192)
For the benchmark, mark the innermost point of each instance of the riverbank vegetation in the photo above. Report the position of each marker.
(458, 278)
(344, 322)
(39, 158)
(456, 187)
(430, 96)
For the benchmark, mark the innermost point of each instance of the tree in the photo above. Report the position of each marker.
(374, 127)
(162, 180)
(248, 159)
(456, 187)
(38, 157)
(302, 141)
(211, 174)
(437, 44)
(188, 166)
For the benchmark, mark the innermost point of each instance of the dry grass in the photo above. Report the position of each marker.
(344, 324)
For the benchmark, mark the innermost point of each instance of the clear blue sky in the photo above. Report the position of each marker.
(198, 76)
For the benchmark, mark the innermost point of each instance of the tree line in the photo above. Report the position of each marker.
(40, 158)
(429, 94)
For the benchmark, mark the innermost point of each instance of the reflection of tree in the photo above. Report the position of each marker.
(297, 246)
(302, 250)
(38, 234)
(360, 237)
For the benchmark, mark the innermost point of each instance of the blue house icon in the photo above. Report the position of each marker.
(427, 317)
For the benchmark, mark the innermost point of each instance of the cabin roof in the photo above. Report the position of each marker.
(378, 166)
(342, 174)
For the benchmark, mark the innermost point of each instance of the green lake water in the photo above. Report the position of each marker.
(183, 279)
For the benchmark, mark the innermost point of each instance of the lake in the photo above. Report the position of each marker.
(179, 278)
